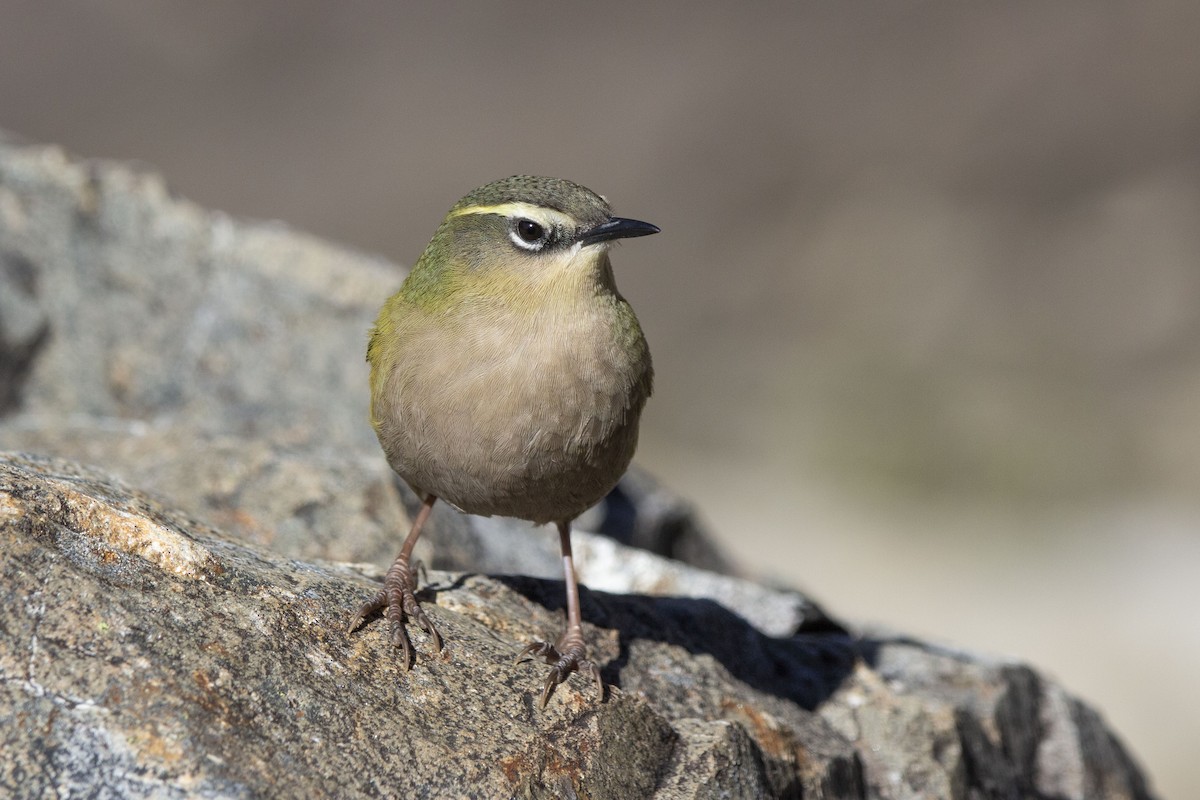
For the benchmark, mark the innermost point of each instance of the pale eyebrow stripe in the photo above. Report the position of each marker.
(502, 209)
(519, 209)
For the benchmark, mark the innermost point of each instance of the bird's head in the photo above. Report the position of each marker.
(523, 235)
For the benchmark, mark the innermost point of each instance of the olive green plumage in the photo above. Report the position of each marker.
(507, 373)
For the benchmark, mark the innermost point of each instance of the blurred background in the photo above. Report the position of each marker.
(925, 310)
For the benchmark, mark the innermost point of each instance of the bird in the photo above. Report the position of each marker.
(508, 377)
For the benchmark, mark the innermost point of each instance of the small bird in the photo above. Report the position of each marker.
(508, 376)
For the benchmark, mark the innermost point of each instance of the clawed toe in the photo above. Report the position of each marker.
(414, 611)
(539, 650)
(367, 609)
(399, 603)
(562, 663)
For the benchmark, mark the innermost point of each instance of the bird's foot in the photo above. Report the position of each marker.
(568, 656)
(398, 598)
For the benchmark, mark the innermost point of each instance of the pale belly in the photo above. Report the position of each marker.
(539, 430)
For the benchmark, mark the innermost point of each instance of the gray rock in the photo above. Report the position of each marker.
(146, 655)
(195, 647)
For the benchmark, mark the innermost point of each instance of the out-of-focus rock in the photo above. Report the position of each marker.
(220, 363)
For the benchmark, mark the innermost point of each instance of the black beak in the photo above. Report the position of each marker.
(616, 228)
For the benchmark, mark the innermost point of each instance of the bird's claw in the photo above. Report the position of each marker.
(562, 663)
(398, 600)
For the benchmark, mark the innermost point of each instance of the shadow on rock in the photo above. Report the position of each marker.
(805, 668)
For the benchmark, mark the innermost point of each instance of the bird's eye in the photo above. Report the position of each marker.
(530, 231)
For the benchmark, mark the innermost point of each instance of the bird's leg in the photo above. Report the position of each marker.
(569, 653)
(398, 594)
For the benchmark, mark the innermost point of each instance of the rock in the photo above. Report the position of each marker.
(147, 655)
(196, 647)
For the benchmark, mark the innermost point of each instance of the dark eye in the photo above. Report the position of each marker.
(530, 231)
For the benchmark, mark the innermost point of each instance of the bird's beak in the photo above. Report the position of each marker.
(616, 228)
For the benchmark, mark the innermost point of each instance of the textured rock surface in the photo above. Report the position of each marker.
(145, 654)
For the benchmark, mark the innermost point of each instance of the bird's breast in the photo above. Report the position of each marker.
(526, 415)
